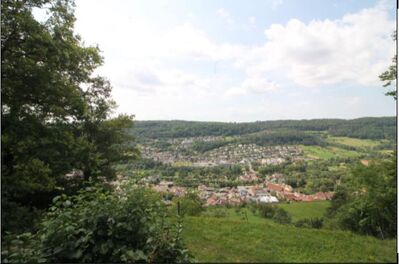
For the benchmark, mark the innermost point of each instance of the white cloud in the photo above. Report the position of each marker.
(140, 57)
(252, 20)
(354, 100)
(357, 47)
(225, 15)
(253, 84)
(276, 3)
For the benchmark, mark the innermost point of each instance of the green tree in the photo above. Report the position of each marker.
(390, 75)
(191, 205)
(55, 111)
(368, 203)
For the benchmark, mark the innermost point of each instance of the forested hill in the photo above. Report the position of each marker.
(365, 128)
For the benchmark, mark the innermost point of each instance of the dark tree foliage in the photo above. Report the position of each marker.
(389, 75)
(369, 127)
(366, 204)
(310, 223)
(203, 146)
(191, 205)
(278, 214)
(55, 111)
(283, 137)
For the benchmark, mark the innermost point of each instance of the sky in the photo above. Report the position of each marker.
(241, 61)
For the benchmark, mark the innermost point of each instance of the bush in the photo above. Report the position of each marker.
(368, 203)
(219, 213)
(16, 218)
(310, 223)
(278, 214)
(98, 226)
(266, 211)
(189, 205)
(253, 209)
(281, 216)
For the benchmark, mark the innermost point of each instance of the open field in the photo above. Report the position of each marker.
(225, 240)
(328, 152)
(297, 210)
(354, 142)
(306, 209)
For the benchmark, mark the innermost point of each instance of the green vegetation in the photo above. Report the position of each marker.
(98, 226)
(365, 128)
(365, 202)
(278, 214)
(296, 210)
(389, 75)
(188, 205)
(62, 149)
(182, 174)
(282, 137)
(58, 137)
(301, 210)
(355, 142)
(329, 152)
(313, 176)
(225, 240)
(55, 111)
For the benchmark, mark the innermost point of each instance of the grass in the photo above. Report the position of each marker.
(299, 210)
(328, 152)
(212, 239)
(354, 142)
(182, 164)
(386, 152)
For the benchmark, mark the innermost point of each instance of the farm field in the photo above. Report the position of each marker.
(354, 142)
(212, 239)
(329, 152)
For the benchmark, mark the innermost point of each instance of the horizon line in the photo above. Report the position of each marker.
(273, 120)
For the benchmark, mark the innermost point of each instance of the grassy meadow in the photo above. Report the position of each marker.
(212, 239)
(306, 210)
(354, 142)
(329, 152)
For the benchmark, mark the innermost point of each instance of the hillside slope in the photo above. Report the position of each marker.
(366, 128)
(226, 240)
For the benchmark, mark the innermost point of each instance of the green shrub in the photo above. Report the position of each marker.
(281, 216)
(17, 218)
(278, 214)
(98, 226)
(219, 213)
(253, 209)
(237, 209)
(310, 223)
(188, 205)
(266, 211)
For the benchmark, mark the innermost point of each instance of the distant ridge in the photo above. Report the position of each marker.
(364, 127)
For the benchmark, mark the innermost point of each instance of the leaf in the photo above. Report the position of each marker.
(76, 255)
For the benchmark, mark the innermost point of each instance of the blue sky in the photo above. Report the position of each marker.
(241, 60)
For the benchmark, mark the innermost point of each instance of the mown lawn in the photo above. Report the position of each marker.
(212, 239)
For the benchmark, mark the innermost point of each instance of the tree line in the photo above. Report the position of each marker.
(367, 128)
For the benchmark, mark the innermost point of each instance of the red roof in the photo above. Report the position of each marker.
(211, 200)
(275, 187)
